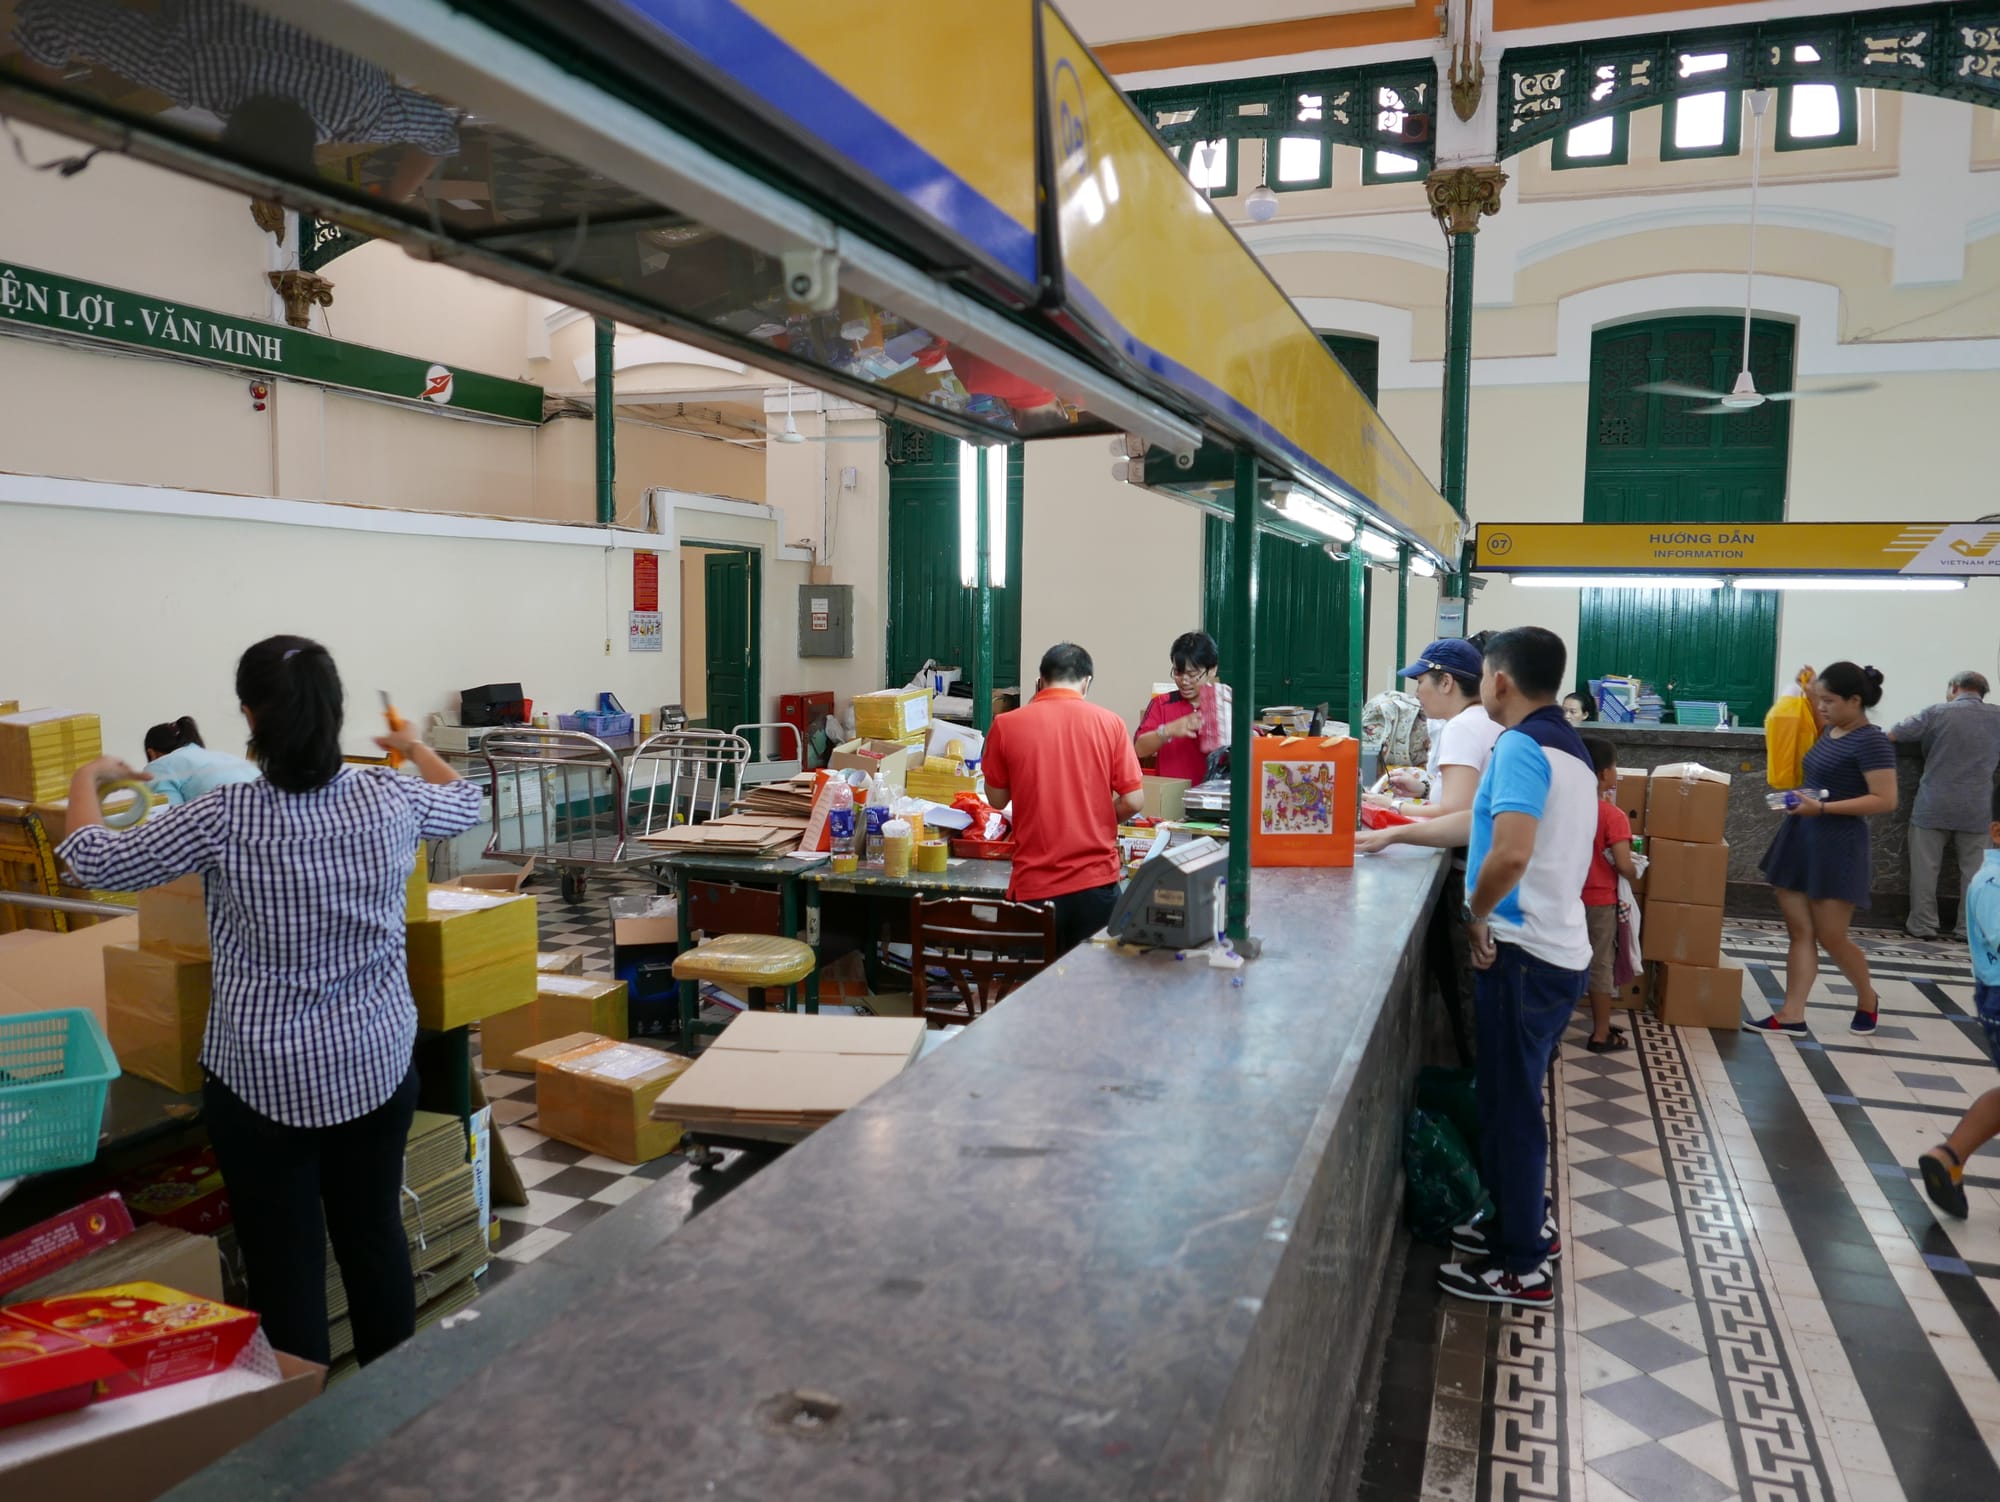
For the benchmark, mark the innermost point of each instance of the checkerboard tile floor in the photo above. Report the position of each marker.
(569, 1188)
(1755, 1299)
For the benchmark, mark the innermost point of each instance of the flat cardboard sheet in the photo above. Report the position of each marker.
(66, 970)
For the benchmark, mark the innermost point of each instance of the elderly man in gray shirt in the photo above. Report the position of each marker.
(1961, 741)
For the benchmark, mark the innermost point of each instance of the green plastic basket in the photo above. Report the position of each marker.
(54, 1070)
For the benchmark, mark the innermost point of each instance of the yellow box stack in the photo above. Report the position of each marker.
(417, 894)
(563, 1004)
(41, 750)
(472, 957)
(894, 714)
(1687, 884)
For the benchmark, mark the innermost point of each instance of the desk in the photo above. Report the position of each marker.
(683, 867)
(1065, 1210)
(960, 878)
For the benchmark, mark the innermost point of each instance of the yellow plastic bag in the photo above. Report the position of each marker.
(1789, 732)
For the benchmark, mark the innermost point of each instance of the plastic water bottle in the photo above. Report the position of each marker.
(1787, 802)
(840, 825)
(878, 815)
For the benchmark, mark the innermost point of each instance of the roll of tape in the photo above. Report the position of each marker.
(130, 812)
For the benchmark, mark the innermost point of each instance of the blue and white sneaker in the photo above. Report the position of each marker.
(1772, 1025)
(1864, 1022)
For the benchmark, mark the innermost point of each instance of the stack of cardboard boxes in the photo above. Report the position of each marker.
(156, 992)
(41, 749)
(1687, 880)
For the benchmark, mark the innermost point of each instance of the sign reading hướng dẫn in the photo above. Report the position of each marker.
(1916, 549)
(41, 300)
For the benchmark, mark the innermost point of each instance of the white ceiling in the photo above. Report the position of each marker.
(1103, 21)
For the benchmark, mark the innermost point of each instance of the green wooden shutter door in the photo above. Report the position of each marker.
(1301, 619)
(728, 620)
(930, 610)
(1653, 459)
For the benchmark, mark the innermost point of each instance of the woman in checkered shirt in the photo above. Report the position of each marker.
(308, 1087)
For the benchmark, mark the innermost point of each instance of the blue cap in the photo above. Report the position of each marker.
(1451, 654)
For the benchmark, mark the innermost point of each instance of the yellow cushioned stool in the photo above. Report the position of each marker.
(761, 963)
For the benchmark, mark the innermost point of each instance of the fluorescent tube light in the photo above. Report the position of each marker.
(1310, 511)
(1375, 545)
(1874, 582)
(1617, 581)
(996, 515)
(968, 514)
(1421, 567)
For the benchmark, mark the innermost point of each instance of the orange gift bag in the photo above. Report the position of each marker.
(1304, 791)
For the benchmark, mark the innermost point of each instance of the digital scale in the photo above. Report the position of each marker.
(1172, 900)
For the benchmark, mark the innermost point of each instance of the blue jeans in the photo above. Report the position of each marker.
(1986, 999)
(1522, 1005)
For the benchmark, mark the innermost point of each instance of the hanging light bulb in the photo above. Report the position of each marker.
(1262, 204)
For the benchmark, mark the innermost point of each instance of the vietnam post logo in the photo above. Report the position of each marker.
(1976, 548)
(437, 385)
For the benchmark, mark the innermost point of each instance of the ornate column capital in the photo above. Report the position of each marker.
(300, 290)
(1460, 195)
(270, 217)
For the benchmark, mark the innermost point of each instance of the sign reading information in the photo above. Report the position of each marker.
(1928, 549)
(31, 299)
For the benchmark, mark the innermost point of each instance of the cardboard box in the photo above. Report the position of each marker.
(41, 750)
(1166, 797)
(893, 714)
(1678, 871)
(1630, 796)
(135, 1450)
(66, 970)
(1699, 996)
(10, 706)
(472, 957)
(62, 1239)
(158, 1335)
(175, 916)
(645, 920)
(507, 882)
(564, 1004)
(891, 759)
(1687, 801)
(1636, 992)
(559, 962)
(1681, 933)
(599, 1096)
(155, 1011)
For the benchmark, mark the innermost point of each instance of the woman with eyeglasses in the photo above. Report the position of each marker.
(1170, 731)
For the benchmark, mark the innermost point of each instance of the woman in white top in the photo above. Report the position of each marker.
(1446, 682)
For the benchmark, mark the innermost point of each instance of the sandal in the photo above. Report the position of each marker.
(1614, 1040)
(1941, 1181)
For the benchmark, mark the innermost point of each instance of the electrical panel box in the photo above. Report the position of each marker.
(826, 620)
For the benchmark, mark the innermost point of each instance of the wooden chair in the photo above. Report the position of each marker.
(986, 947)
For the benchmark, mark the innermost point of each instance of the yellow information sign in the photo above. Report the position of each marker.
(1918, 549)
(1149, 269)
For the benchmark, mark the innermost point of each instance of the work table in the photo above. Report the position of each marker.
(1124, 1237)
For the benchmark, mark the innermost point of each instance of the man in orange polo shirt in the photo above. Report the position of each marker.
(1070, 769)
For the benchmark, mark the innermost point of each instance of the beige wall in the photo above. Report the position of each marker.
(694, 631)
(1104, 564)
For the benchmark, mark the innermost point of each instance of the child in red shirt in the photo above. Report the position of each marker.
(1611, 859)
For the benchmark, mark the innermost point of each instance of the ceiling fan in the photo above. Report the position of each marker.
(1744, 395)
(790, 433)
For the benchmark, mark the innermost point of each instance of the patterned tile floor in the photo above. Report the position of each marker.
(569, 1188)
(1756, 1300)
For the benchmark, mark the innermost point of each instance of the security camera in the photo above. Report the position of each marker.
(812, 277)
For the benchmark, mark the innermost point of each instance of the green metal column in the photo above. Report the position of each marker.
(982, 605)
(607, 425)
(1457, 383)
(1402, 610)
(1357, 637)
(1242, 619)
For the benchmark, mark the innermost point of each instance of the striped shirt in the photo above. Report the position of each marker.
(311, 1022)
(218, 55)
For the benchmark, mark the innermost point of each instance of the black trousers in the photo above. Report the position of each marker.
(293, 1188)
(1081, 914)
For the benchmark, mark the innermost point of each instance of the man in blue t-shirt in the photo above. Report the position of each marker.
(1534, 828)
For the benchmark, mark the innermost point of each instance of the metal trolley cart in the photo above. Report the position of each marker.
(566, 799)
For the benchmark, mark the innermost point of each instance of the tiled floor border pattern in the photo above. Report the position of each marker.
(1756, 1300)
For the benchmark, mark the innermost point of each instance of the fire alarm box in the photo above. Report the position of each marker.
(826, 620)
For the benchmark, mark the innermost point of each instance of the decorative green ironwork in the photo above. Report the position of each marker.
(321, 240)
(1949, 51)
(1385, 106)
